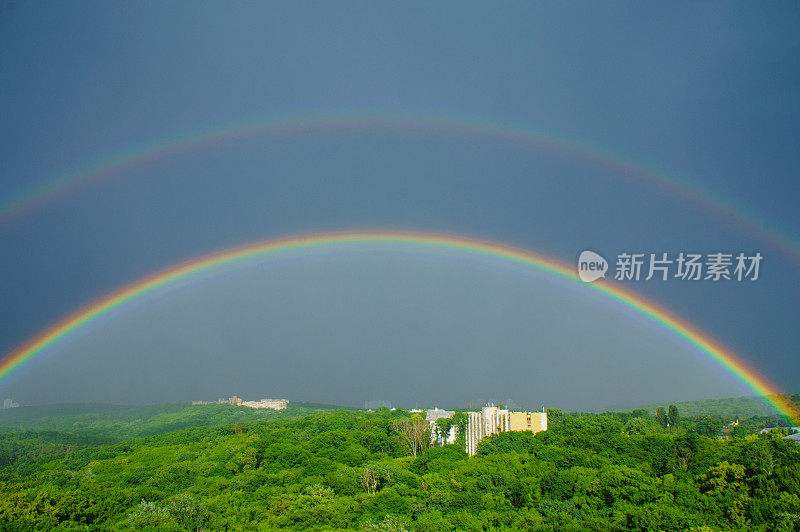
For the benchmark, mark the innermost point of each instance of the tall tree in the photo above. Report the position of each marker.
(673, 415)
(461, 421)
(442, 429)
(415, 433)
(661, 417)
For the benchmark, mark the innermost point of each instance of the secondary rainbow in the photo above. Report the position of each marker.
(621, 165)
(706, 345)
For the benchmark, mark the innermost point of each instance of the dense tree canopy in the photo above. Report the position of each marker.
(356, 470)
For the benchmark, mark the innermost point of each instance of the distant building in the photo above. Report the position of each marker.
(232, 400)
(727, 430)
(434, 414)
(493, 420)
(792, 430)
(275, 404)
(9, 403)
(794, 437)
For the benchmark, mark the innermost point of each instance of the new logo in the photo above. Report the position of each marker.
(591, 266)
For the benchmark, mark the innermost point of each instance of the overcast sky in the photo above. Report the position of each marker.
(706, 91)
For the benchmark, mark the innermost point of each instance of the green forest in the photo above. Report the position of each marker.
(742, 407)
(313, 467)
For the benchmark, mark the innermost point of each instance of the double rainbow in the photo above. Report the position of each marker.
(680, 328)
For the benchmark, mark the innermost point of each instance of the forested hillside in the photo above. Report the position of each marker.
(119, 422)
(355, 471)
(32, 431)
(742, 407)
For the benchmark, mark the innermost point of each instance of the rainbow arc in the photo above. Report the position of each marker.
(622, 166)
(680, 328)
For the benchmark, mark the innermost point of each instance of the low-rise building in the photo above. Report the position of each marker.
(9, 403)
(276, 404)
(434, 414)
(791, 430)
(794, 437)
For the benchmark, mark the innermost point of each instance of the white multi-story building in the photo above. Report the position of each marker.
(492, 420)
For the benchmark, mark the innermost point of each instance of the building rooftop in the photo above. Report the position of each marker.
(436, 413)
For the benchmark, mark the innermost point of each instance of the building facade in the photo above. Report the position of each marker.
(532, 421)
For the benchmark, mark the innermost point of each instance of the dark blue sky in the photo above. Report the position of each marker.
(708, 91)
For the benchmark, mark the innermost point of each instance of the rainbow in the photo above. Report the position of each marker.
(683, 330)
(622, 166)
